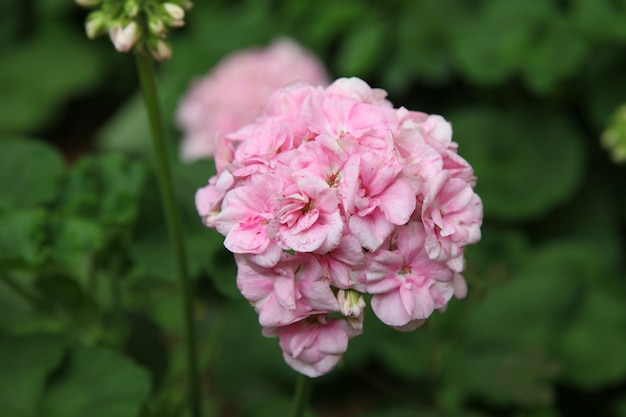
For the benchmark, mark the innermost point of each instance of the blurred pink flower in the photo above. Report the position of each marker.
(236, 90)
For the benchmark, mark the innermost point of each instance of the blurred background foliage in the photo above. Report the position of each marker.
(89, 315)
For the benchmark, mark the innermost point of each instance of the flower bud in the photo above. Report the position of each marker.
(125, 37)
(131, 8)
(352, 305)
(156, 26)
(163, 50)
(95, 25)
(175, 11)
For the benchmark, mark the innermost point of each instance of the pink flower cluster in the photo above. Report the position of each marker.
(234, 92)
(332, 194)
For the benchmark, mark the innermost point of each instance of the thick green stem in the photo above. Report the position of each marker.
(301, 396)
(147, 78)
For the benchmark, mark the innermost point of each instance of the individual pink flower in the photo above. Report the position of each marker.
(384, 200)
(437, 132)
(234, 93)
(407, 284)
(290, 291)
(342, 265)
(315, 345)
(245, 215)
(308, 217)
(452, 214)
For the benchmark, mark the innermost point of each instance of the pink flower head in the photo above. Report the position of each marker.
(234, 93)
(331, 194)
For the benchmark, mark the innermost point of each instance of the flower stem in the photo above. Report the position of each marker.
(301, 396)
(147, 78)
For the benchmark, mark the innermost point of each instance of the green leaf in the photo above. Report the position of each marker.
(30, 172)
(527, 161)
(601, 19)
(592, 347)
(362, 49)
(558, 56)
(104, 189)
(492, 45)
(538, 301)
(26, 363)
(36, 76)
(97, 383)
(522, 377)
(75, 241)
(22, 237)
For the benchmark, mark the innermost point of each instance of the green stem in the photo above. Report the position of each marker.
(147, 78)
(301, 396)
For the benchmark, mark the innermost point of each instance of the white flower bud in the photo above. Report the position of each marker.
(163, 50)
(125, 37)
(175, 11)
(352, 305)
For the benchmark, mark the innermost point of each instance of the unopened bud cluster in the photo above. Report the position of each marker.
(136, 23)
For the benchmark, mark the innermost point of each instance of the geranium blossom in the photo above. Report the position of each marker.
(330, 194)
(236, 90)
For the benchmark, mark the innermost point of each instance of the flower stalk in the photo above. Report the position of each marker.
(145, 68)
(301, 396)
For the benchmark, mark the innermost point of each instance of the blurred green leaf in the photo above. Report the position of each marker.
(495, 42)
(30, 172)
(527, 161)
(75, 241)
(26, 363)
(514, 376)
(558, 54)
(37, 76)
(592, 346)
(362, 49)
(22, 237)
(104, 189)
(601, 19)
(420, 50)
(96, 383)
